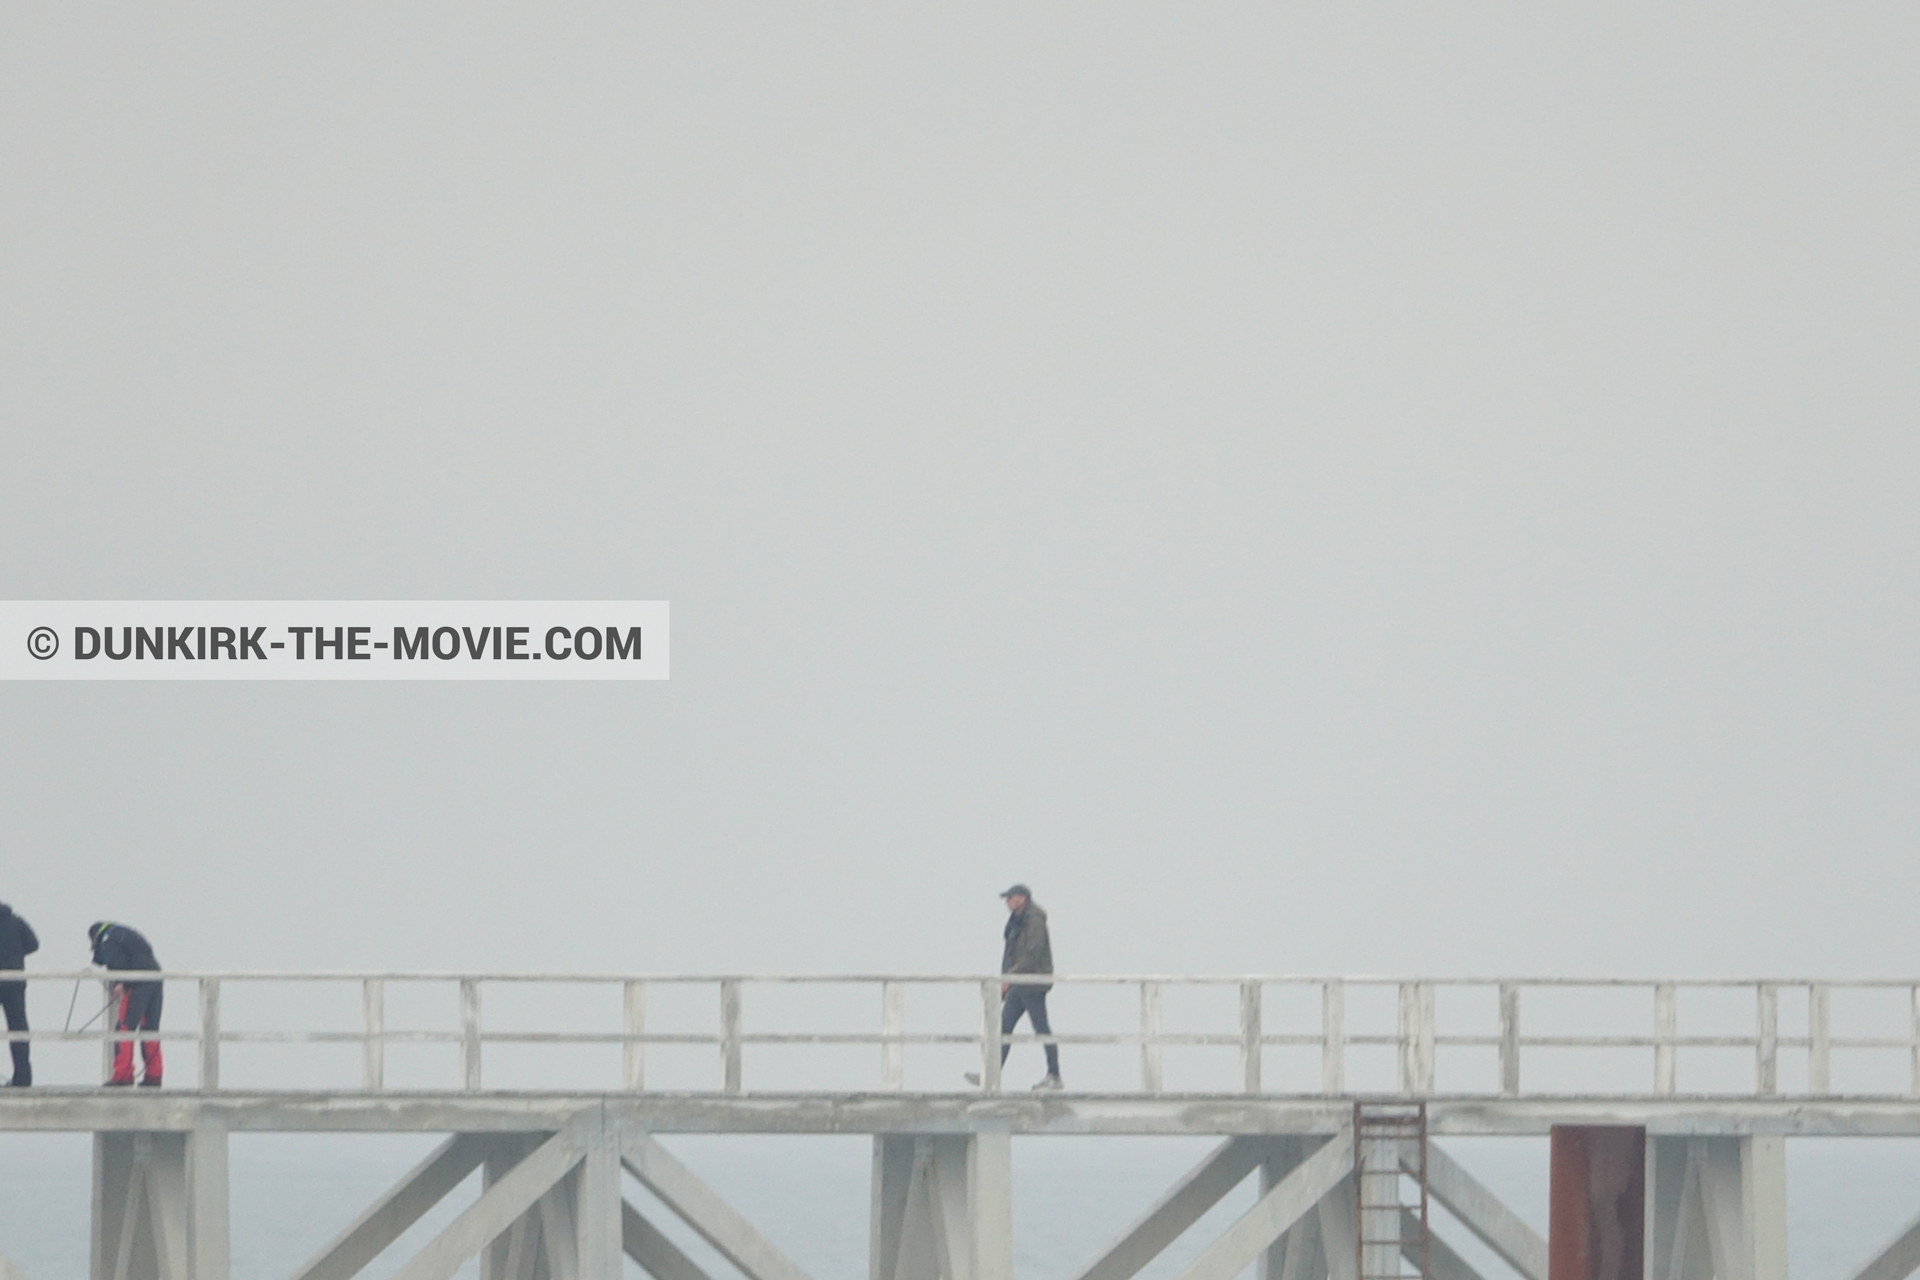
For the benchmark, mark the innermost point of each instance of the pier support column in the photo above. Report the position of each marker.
(499, 1260)
(1377, 1208)
(596, 1206)
(574, 1230)
(1717, 1208)
(1297, 1254)
(1339, 1227)
(160, 1206)
(942, 1207)
(209, 1225)
(527, 1250)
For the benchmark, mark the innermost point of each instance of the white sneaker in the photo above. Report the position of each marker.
(1050, 1083)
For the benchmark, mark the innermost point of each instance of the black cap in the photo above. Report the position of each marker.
(1018, 890)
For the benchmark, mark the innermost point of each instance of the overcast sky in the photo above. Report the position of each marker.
(1367, 488)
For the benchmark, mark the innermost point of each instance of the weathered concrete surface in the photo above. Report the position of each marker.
(1223, 1115)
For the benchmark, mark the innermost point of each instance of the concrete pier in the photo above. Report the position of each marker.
(553, 1165)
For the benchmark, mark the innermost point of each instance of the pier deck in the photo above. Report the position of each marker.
(1062, 1114)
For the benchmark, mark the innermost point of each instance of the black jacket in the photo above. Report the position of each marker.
(118, 947)
(16, 939)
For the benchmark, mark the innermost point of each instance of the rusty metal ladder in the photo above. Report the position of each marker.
(1390, 1142)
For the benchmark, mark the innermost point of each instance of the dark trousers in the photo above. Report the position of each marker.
(139, 1010)
(13, 998)
(1032, 1001)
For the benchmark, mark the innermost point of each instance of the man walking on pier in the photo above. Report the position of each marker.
(136, 1004)
(16, 944)
(1027, 949)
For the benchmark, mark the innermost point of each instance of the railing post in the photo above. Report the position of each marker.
(1250, 1048)
(1509, 1039)
(1416, 1037)
(470, 1034)
(1333, 1037)
(373, 1034)
(893, 1024)
(1152, 1074)
(990, 1037)
(209, 1034)
(1767, 1040)
(1819, 1039)
(1666, 1029)
(1914, 997)
(730, 1033)
(633, 1025)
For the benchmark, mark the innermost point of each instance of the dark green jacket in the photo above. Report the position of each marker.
(1028, 948)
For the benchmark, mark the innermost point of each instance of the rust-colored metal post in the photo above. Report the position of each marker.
(1596, 1222)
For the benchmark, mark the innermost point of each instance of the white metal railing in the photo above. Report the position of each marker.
(1416, 1041)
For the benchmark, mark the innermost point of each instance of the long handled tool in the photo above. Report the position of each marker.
(96, 1017)
(71, 1001)
(111, 1001)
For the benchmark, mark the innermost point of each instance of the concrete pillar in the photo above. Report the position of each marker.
(560, 1241)
(596, 1207)
(160, 1206)
(575, 1230)
(1717, 1208)
(209, 1227)
(119, 1223)
(1339, 1232)
(524, 1251)
(942, 1207)
(1763, 1160)
(990, 1204)
(893, 1157)
(1379, 1207)
(1295, 1255)
(572, 1232)
(499, 1162)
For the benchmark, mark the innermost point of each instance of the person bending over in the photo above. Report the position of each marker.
(136, 1004)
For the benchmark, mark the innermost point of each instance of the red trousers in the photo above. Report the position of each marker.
(138, 1010)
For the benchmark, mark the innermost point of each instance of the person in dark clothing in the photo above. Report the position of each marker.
(16, 944)
(136, 1004)
(1027, 949)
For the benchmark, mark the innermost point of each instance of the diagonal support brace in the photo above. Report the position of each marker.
(1898, 1260)
(1442, 1261)
(658, 1256)
(1481, 1212)
(409, 1199)
(500, 1204)
(1205, 1185)
(1274, 1213)
(718, 1223)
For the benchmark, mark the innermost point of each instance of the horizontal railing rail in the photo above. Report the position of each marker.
(1417, 1038)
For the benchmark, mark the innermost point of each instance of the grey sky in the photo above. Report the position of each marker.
(1345, 489)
